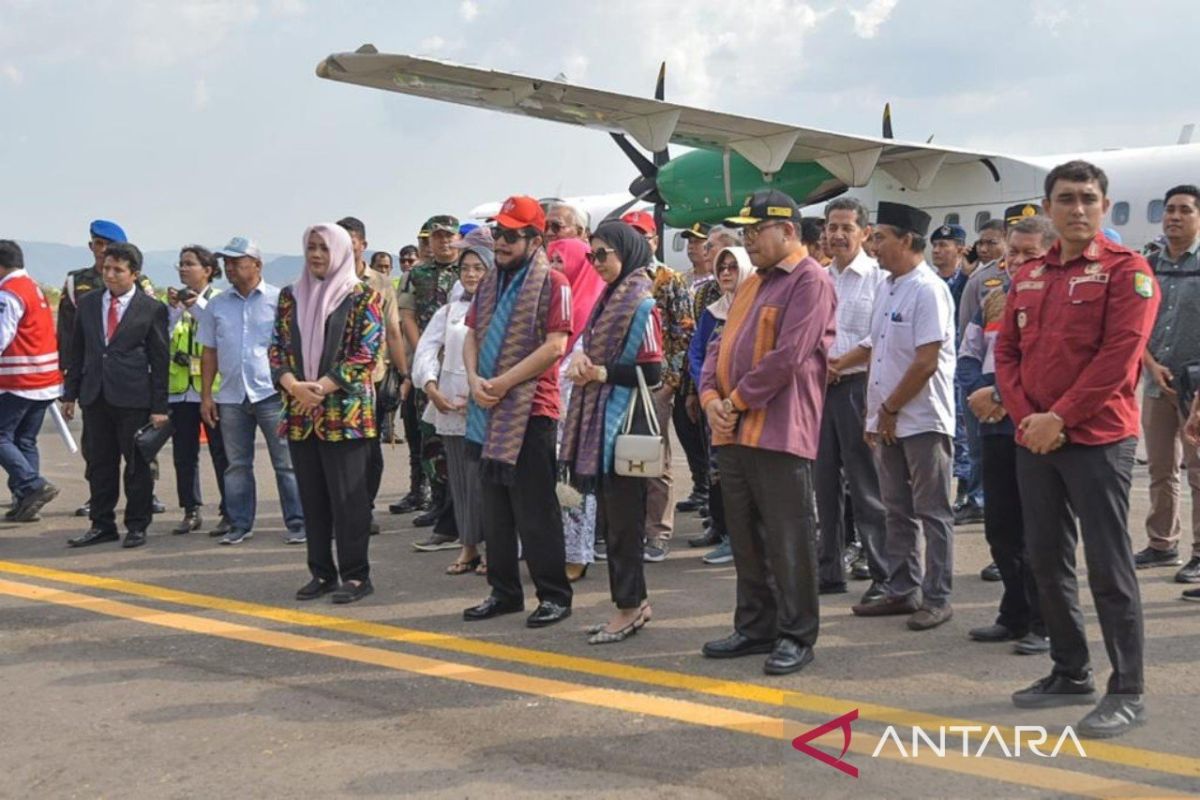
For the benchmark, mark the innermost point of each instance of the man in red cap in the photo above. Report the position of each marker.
(675, 310)
(519, 323)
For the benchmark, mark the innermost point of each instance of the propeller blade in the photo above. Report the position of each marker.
(662, 156)
(659, 208)
(644, 165)
(617, 212)
(887, 121)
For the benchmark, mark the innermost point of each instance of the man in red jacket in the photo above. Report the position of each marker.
(29, 382)
(1068, 359)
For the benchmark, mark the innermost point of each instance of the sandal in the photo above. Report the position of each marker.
(463, 567)
(597, 634)
(481, 569)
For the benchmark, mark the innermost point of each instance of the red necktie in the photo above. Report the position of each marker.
(111, 325)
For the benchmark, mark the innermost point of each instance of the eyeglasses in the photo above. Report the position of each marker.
(727, 266)
(555, 225)
(752, 231)
(507, 234)
(599, 255)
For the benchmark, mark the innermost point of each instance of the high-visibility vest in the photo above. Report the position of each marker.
(183, 340)
(31, 359)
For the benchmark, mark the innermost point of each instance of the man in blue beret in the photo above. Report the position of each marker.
(102, 233)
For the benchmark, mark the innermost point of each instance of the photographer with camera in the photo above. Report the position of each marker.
(198, 268)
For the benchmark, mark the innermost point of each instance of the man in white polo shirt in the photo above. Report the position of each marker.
(910, 418)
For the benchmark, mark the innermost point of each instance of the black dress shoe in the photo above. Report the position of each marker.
(316, 588)
(427, 519)
(692, 503)
(413, 501)
(134, 539)
(788, 656)
(1056, 690)
(990, 573)
(873, 593)
(1149, 557)
(350, 592)
(94, 536)
(1189, 572)
(492, 607)
(710, 538)
(994, 633)
(547, 613)
(84, 510)
(736, 645)
(1113, 715)
(223, 527)
(968, 514)
(191, 522)
(831, 587)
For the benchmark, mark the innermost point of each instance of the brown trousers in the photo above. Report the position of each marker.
(1162, 425)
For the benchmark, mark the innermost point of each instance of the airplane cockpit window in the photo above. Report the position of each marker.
(951, 218)
(677, 243)
(1154, 212)
(981, 219)
(1120, 213)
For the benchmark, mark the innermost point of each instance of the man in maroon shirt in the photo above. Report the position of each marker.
(519, 322)
(1067, 362)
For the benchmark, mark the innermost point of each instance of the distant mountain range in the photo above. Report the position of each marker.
(49, 263)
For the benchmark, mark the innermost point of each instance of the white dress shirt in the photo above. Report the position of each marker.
(913, 310)
(855, 287)
(122, 306)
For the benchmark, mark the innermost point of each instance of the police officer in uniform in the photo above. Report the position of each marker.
(102, 233)
(1068, 359)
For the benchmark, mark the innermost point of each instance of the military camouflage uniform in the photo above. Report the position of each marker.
(424, 290)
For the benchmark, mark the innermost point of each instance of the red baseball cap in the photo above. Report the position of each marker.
(521, 211)
(642, 220)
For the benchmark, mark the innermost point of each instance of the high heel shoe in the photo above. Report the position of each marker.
(576, 572)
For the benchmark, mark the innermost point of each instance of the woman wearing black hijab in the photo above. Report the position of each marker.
(622, 337)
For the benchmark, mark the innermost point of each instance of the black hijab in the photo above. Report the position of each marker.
(630, 245)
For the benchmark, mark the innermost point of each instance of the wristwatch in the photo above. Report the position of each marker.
(996, 396)
(602, 374)
(727, 405)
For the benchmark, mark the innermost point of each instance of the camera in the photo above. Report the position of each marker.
(184, 294)
(182, 359)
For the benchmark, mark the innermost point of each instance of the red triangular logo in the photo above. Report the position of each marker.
(801, 743)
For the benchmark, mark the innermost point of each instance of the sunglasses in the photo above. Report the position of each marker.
(555, 225)
(599, 255)
(727, 267)
(507, 235)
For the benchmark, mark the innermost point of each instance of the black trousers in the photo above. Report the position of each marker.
(691, 439)
(529, 506)
(621, 515)
(185, 446)
(332, 477)
(108, 434)
(412, 435)
(773, 532)
(1094, 482)
(1004, 529)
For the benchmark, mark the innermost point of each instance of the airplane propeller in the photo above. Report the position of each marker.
(645, 185)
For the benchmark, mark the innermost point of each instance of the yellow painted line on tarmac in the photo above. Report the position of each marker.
(1123, 755)
(1059, 781)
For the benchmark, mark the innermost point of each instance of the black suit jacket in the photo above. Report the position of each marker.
(131, 370)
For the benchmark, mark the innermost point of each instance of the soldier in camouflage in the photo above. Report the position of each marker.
(425, 289)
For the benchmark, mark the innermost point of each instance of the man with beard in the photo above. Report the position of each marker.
(519, 323)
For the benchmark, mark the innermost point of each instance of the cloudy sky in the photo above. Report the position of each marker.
(191, 120)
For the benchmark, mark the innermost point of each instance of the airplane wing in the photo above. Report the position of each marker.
(652, 123)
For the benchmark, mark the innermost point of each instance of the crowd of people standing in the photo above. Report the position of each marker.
(826, 383)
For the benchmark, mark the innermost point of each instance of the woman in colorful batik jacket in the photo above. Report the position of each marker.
(328, 330)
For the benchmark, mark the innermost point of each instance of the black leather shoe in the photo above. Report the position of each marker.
(874, 592)
(191, 522)
(788, 656)
(351, 592)
(968, 514)
(223, 527)
(134, 539)
(413, 501)
(84, 510)
(1057, 690)
(1113, 715)
(427, 519)
(1189, 572)
(316, 588)
(1032, 644)
(692, 503)
(735, 646)
(831, 587)
(547, 613)
(710, 538)
(94, 536)
(492, 607)
(1149, 557)
(990, 573)
(994, 633)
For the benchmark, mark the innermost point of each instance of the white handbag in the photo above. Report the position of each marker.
(639, 455)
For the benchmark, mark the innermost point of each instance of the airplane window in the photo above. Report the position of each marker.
(951, 219)
(981, 219)
(1155, 211)
(677, 243)
(1120, 213)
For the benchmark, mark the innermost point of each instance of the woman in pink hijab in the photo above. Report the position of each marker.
(579, 517)
(328, 331)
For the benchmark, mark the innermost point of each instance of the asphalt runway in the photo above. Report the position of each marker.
(186, 669)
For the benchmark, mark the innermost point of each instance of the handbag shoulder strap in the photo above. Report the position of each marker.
(647, 407)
